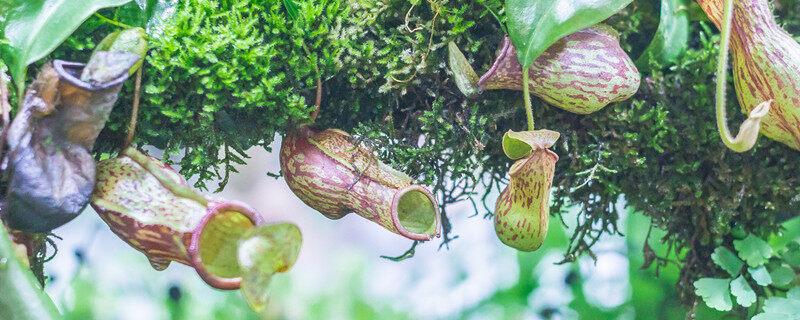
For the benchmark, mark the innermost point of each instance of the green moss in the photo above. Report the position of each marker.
(229, 75)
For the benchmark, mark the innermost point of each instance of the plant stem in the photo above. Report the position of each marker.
(135, 110)
(746, 138)
(111, 21)
(722, 72)
(21, 297)
(527, 96)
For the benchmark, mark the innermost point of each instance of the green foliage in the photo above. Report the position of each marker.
(715, 292)
(760, 275)
(464, 75)
(754, 250)
(28, 302)
(151, 15)
(779, 308)
(230, 75)
(743, 292)
(35, 28)
(672, 36)
(383, 67)
(727, 260)
(534, 26)
(772, 274)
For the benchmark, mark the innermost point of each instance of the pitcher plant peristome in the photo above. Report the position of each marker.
(332, 173)
(51, 170)
(50, 167)
(581, 73)
(152, 208)
(522, 211)
(766, 67)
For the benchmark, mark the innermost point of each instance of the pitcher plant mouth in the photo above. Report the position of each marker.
(415, 213)
(505, 50)
(214, 243)
(71, 72)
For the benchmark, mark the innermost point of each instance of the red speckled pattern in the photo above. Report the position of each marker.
(766, 66)
(152, 219)
(581, 73)
(333, 175)
(523, 210)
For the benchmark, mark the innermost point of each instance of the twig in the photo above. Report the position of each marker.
(318, 101)
(592, 174)
(430, 44)
(408, 17)
(135, 110)
(408, 254)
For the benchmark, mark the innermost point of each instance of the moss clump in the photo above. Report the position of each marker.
(229, 75)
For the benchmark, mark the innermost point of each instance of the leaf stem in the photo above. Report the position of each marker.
(527, 97)
(111, 21)
(748, 132)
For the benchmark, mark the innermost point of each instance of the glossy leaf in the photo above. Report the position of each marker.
(34, 28)
(148, 14)
(715, 293)
(535, 25)
(672, 36)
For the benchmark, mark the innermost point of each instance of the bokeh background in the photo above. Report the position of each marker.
(340, 273)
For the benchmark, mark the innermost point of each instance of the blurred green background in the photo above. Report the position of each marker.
(340, 274)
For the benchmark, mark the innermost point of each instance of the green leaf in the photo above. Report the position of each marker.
(22, 297)
(463, 74)
(156, 14)
(745, 296)
(517, 145)
(792, 254)
(784, 307)
(535, 25)
(672, 37)
(753, 250)
(760, 275)
(794, 293)
(291, 8)
(727, 260)
(782, 275)
(34, 28)
(715, 292)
